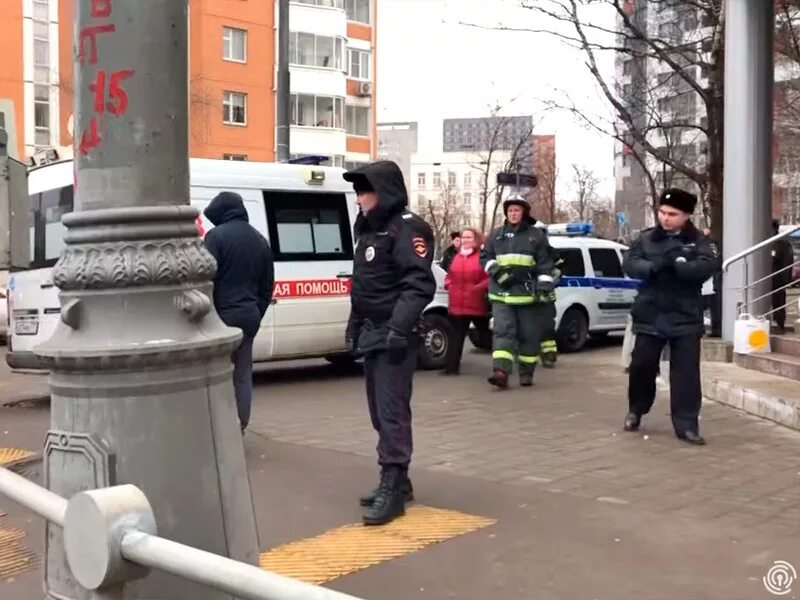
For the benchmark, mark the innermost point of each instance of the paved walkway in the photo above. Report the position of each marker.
(582, 509)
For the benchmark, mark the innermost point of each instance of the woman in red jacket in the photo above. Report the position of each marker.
(468, 285)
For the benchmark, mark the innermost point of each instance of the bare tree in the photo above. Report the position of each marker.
(689, 47)
(444, 211)
(503, 150)
(545, 202)
(584, 186)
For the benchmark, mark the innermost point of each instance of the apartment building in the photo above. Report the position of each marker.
(232, 70)
(398, 142)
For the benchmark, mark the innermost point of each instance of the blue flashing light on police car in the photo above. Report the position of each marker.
(570, 229)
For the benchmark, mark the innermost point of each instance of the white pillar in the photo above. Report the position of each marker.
(747, 193)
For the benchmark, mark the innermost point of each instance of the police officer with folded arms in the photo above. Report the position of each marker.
(392, 285)
(673, 260)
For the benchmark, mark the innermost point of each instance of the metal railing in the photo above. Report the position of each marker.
(747, 286)
(118, 525)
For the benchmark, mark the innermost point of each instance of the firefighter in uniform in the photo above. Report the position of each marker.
(673, 260)
(392, 284)
(517, 258)
(549, 349)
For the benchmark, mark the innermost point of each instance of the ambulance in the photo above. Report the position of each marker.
(305, 211)
(594, 296)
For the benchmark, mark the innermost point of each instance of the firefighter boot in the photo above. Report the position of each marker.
(526, 379)
(499, 379)
(389, 502)
(408, 494)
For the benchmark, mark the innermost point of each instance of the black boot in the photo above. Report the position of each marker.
(408, 494)
(549, 360)
(499, 379)
(526, 379)
(691, 437)
(632, 422)
(389, 502)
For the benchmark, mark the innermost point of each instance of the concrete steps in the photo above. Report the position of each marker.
(784, 360)
(762, 394)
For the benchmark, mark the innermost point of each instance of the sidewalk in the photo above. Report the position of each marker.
(578, 508)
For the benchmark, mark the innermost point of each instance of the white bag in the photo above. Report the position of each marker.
(627, 344)
(751, 335)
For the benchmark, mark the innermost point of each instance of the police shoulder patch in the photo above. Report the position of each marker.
(420, 247)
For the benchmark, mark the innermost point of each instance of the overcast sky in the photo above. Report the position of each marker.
(475, 68)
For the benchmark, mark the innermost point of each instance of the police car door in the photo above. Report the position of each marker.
(263, 345)
(613, 290)
(311, 236)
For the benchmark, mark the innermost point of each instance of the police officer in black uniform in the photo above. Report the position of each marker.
(392, 285)
(673, 260)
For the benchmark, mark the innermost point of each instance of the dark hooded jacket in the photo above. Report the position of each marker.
(245, 269)
(392, 277)
(669, 302)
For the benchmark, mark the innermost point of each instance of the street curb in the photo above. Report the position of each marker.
(766, 406)
(25, 400)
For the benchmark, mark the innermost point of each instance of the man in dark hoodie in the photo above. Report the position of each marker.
(392, 285)
(242, 285)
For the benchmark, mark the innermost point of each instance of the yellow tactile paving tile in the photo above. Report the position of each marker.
(15, 559)
(9, 455)
(355, 547)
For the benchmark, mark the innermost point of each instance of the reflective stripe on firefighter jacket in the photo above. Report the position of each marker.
(515, 257)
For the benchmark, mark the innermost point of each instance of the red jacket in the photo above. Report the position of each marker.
(468, 286)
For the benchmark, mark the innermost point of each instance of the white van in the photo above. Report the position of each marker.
(594, 296)
(307, 214)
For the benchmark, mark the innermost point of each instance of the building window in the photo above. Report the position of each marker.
(311, 50)
(358, 64)
(41, 114)
(467, 180)
(326, 3)
(421, 181)
(437, 179)
(317, 111)
(468, 198)
(358, 120)
(227, 156)
(358, 10)
(41, 10)
(451, 179)
(234, 44)
(234, 108)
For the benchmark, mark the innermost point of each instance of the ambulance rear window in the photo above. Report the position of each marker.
(308, 226)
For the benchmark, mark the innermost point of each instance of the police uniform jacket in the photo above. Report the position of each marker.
(673, 268)
(392, 277)
(524, 253)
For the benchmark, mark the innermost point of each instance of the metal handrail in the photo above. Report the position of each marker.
(771, 275)
(224, 574)
(748, 251)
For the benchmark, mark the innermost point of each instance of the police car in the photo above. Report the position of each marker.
(594, 296)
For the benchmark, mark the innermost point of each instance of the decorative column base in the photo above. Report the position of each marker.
(142, 392)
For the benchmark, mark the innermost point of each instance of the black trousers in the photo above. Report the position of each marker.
(460, 327)
(549, 348)
(389, 387)
(779, 299)
(684, 378)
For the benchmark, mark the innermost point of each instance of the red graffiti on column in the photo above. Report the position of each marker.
(101, 8)
(116, 101)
